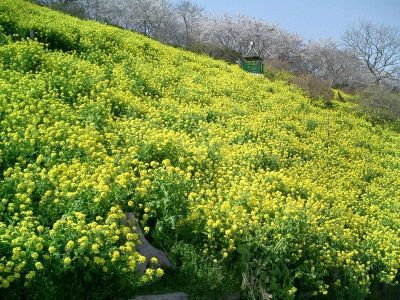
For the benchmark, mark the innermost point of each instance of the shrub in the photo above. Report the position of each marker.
(313, 87)
(201, 273)
(381, 103)
(277, 70)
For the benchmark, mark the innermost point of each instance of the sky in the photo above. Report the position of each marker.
(312, 19)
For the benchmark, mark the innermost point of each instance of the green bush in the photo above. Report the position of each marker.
(204, 276)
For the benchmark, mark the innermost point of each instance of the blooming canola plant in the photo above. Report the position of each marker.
(96, 121)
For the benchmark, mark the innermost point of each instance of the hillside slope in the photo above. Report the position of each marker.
(231, 174)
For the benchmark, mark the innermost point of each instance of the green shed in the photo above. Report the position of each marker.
(251, 61)
(253, 64)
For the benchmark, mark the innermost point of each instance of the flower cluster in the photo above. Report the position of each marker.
(96, 122)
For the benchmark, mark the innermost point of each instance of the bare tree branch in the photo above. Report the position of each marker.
(378, 47)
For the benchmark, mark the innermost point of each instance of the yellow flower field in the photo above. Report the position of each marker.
(96, 121)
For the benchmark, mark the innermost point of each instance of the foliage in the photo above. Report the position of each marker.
(227, 170)
(200, 272)
(276, 70)
(314, 88)
(382, 103)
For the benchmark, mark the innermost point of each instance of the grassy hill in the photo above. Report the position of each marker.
(242, 181)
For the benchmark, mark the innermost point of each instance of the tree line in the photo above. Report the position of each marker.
(367, 55)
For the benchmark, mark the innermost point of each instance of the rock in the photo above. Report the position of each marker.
(171, 296)
(233, 297)
(146, 249)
